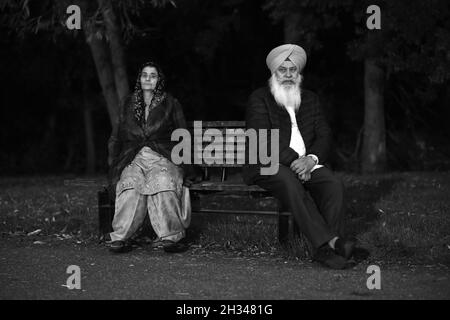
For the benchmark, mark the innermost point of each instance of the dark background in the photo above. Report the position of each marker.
(213, 54)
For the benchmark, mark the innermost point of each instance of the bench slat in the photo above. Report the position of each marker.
(219, 124)
(222, 157)
(225, 186)
(197, 210)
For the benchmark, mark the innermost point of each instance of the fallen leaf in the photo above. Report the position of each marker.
(35, 232)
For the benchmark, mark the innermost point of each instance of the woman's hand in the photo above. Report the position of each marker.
(191, 178)
(192, 174)
(189, 181)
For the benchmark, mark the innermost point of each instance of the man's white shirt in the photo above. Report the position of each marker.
(297, 143)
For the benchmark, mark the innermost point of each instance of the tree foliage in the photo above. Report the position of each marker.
(32, 16)
(213, 54)
(414, 36)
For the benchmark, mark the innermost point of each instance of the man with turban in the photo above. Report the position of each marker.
(304, 145)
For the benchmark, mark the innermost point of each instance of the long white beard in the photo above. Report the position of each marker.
(286, 95)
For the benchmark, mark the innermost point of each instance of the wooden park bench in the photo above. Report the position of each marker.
(223, 186)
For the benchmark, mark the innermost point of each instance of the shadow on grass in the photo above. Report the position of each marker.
(396, 214)
(259, 232)
(242, 232)
(360, 200)
(398, 217)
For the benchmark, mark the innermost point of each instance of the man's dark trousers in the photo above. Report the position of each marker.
(325, 188)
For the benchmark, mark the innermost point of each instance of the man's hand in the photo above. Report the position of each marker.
(305, 177)
(302, 165)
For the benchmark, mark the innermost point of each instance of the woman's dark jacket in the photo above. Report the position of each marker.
(131, 135)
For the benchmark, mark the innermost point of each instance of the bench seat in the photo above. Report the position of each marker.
(222, 186)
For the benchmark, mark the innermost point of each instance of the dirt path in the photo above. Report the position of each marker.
(32, 271)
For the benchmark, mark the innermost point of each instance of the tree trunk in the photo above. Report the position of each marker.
(373, 156)
(117, 51)
(100, 53)
(70, 155)
(89, 138)
(89, 130)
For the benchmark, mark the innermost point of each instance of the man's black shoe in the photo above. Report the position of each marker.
(344, 247)
(360, 254)
(328, 257)
(120, 246)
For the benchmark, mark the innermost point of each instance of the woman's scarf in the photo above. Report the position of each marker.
(138, 95)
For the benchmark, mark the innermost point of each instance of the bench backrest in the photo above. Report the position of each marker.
(222, 143)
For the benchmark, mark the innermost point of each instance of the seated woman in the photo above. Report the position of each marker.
(141, 173)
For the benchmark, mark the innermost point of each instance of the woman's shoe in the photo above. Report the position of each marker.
(174, 247)
(120, 246)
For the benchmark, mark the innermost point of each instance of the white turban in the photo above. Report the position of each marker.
(279, 54)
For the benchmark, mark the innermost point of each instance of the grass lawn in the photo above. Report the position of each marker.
(396, 216)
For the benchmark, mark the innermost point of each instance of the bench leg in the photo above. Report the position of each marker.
(288, 229)
(284, 226)
(205, 174)
(224, 174)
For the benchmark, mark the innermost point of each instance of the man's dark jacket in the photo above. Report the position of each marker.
(264, 113)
